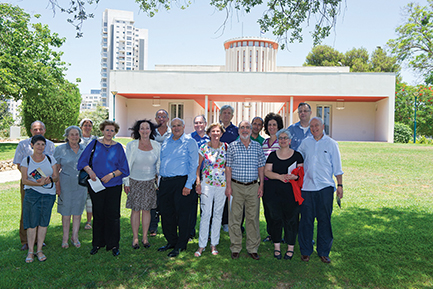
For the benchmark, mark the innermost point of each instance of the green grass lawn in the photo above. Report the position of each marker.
(382, 239)
(7, 151)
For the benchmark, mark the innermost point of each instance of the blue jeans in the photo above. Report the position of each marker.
(316, 205)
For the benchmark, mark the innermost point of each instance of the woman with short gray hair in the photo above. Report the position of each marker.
(71, 196)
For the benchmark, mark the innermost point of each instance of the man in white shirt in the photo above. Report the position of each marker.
(321, 162)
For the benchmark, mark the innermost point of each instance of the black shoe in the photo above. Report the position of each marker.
(174, 253)
(94, 250)
(135, 246)
(267, 239)
(115, 251)
(165, 248)
(287, 257)
(145, 245)
(279, 255)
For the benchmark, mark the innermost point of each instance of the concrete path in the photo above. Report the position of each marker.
(10, 176)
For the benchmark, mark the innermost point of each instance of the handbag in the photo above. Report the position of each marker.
(83, 176)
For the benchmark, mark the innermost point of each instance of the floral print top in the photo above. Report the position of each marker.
(214, 164)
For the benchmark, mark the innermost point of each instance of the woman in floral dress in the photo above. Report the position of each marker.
(211, 187)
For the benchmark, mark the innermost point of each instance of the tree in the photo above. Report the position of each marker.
(57, 106)
(6, 119)
(414, 42)
(357, 59)
(285, 18)
(405, 107)
(97, 116)
(27, 59)
(324, 55)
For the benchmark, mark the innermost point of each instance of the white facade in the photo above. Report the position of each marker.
(123, 47)
(14, 109)
(91, 100)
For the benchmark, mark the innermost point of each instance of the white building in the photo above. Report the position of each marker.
(354, 106)
(124, 47)
(91, 100)
(14, 109)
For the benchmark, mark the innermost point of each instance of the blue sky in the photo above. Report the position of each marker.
(193, 36)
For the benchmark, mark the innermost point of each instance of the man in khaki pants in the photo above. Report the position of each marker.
(244, 165)
(23, 150)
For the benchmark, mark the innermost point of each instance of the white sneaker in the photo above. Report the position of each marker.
(225, 228)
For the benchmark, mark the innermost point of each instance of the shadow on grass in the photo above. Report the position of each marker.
(384, 248)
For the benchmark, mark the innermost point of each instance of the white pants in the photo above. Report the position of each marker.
(216, 196)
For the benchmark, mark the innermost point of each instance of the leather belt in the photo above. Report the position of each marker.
(245, 184)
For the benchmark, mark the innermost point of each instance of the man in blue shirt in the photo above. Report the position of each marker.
(321, 162)
(231, 134)
(179, 161)
(245, 164)
(301, 129)
(201, 138)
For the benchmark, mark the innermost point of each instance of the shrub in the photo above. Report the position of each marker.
(402, 133)
(424, 140)
(97, 116)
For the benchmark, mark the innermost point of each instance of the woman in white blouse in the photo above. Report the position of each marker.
(143, 159)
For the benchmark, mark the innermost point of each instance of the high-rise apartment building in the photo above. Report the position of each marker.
(124, 47)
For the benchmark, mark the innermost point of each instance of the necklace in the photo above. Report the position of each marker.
(107, 146)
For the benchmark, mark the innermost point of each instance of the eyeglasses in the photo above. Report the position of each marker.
(161, 116)
(283, 138)
(301, 111)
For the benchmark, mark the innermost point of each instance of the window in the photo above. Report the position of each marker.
(324, 112)
(176, 110)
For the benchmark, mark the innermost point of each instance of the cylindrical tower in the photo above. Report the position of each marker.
(251, 54)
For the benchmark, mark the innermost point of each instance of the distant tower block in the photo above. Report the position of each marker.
(251, 54)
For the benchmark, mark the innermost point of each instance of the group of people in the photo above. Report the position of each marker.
(164, 172)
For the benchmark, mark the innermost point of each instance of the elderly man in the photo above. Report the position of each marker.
(23, 150)
(201, 138)
(161, 133)
(321, 162)
(301, 129)
(179, 161)
(257, 124)
(244, 165)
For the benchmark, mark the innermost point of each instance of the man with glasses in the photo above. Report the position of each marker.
(161, 133)
(245, 164)
(301, 129)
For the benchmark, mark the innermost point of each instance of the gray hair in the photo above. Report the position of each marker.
(200, 115)
(68, 130)
(84, 120)
(176, 118)
(224, 107)
(249, 123)
(163, 110)
(317, 118)
(286, 131)
(38, 121)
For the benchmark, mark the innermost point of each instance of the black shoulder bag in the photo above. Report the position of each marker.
(83, 176)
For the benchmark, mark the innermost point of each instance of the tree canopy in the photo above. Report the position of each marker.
(413, 44)
(357, 59)
(27, 58)
(286, 19)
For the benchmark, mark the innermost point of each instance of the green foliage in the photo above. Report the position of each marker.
(285, 18)
(57, 106)
(413, 44)
(27, 61)
(424, 140)
(402, 133)
(97, 116)
(405, 107)
(6, 120)
(357, 59)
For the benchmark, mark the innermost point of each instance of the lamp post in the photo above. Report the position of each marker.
(414, 123)
(114, 92)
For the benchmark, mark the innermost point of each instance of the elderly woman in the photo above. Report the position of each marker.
(71, 196)
(109, 165)
(143, 159)
(86, 126)
(211, 188)
(285, 174)
(273, 123)
(39, 174)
